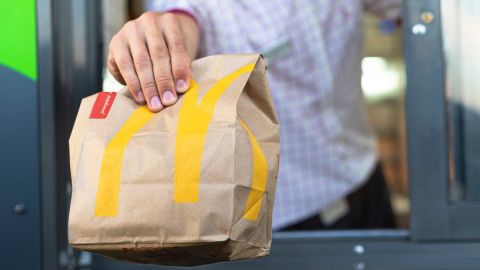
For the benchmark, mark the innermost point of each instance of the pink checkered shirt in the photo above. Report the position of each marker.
(314, 50)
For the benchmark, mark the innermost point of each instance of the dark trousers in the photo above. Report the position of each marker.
(369, 208)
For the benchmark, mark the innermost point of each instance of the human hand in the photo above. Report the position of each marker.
(152, 56)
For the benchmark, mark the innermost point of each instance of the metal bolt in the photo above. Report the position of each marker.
(427, 17)
(359, 266)
(358, 249)
(85, 259)
(20, 209)
(419, 29)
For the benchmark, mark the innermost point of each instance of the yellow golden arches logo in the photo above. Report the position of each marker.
(194, 119)
(259, 178)
(111, 170)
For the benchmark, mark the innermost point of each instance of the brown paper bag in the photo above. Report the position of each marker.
(192, 184)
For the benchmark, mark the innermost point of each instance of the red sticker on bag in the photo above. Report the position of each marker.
(102, 105)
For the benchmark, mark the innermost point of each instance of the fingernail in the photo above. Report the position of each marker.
(168, 97)
(182, 86)
(155, 103)
(140, 97)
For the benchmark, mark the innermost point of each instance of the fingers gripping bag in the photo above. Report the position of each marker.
(190, 185)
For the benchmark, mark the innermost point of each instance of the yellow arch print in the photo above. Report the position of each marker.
(259, 178)
(109, 181)
(193, 121)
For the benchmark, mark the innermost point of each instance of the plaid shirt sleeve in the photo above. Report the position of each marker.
(387, 9)
(194, 8)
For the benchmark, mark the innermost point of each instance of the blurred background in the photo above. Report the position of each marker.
(421, 92)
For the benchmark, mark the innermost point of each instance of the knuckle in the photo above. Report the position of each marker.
(163, 79)
(142, 59)
(149, 86)
(169, 18)
(149, 17)
(114, 42)
(130, 29)
(123, 62)
(179, 46)
(130, 25)
(159, 52)
(133, 84)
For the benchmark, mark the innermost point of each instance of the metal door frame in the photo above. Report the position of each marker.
(433, 216)
(357, 250)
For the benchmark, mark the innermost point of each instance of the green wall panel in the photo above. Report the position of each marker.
(18, 36)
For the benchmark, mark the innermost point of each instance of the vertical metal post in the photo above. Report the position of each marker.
(48, 189)
(69, 68)
(427, 130)
(77, 73)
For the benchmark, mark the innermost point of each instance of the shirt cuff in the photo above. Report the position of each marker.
(183, 12)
